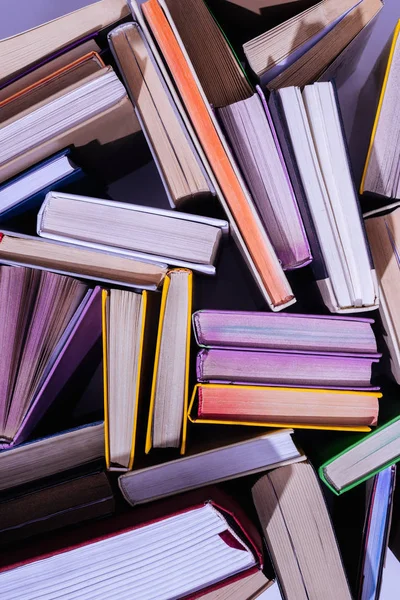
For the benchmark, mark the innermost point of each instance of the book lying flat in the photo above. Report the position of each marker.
(28, 190)
(47, 328)
(299, 534)
(270, 368)
(250, 131)
(376, 533)
(316, 334)
(316, 148)
(48, 456)
(137, 231)
(167, 421)
(96, 108)
(50, 85)
(297, 408)
(76, 261)
(383, 231)
(50, 37)
(353, 461)
(314, 61)
(116, 554)
(179, 165)
(63, 502)
(381, 171)
(209, 467)
(246, 226)
(125, 317)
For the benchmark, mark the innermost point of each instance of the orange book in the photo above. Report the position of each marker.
(273, 280)
(57, 81)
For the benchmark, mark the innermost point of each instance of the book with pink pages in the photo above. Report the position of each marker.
(47, 329)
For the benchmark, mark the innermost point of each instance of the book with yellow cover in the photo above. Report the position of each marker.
(167, 421)
(295, 408)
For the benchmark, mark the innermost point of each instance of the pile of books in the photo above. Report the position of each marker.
(160, 187)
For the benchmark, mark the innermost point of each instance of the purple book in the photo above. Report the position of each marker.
(82, 332)
(285, 332)
(295, 369)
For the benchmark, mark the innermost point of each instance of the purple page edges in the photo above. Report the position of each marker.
(83, 337)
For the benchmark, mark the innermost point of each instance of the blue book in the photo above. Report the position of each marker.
(26, 191)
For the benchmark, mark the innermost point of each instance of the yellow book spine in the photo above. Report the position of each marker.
(378, 112)
(104, 297)
(188, 340)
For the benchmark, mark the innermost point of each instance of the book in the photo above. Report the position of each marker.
(47, 330)
(248, 588)
(44, 457)
(250, 131)
(380, 174)
(47, 66)
(299, 534)
(297, 408)
(297, 50)
(376, 532)
(316, 334)
(51, 37)
(382, 228)
(207, 529)
(98, 99)
(355, 460)
(208, 467)
(167, 421)
(138, 231)
(246, 227)
(270, 368)
(54, 505)
(125, 318)
(52, 84)
(179, 165)
(345, 276)
(28, 190)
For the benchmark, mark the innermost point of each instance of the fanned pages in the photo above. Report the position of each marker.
(383, 230)
(132, 230)
(169, 395)
(124, 316)
(175, 156)
(256, 148)
(304, 408)
(39, 309)
(209, 467)
(315, 129)
(382, 168)
(245, 224)
(299, 534)
(69, 259)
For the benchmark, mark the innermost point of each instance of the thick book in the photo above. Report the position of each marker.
(382, 228)
(48, 328)
(141, 232)
(55, 504)
(208, 467)
(44, 457)
(381, 171)
(26, 191)
(246, 226)
(251, 133)
(167, 423)
(296, 408)
(217, 365)
(285, 332)
(206, 529)
(77, 261)
(299, 534)
(249, 588)
(314, 131)
(178, 163)
(380, 491)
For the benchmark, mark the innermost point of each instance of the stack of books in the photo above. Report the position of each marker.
(158, 182)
